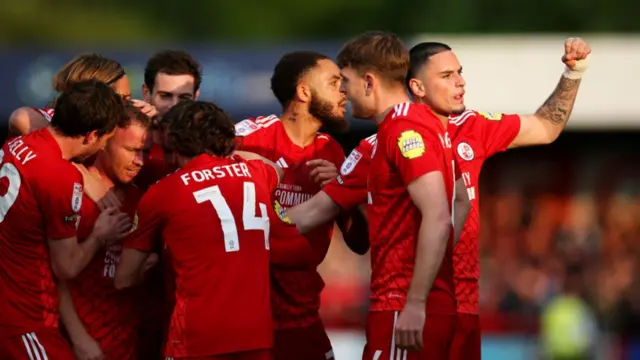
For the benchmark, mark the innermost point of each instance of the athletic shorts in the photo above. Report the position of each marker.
(43, 344)
(309, 343)
(467, 340)
(437, 337)
(245, 355)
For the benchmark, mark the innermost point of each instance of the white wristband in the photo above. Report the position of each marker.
(577, 71)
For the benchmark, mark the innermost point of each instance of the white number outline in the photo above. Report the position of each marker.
(250, 221)
(9, 171)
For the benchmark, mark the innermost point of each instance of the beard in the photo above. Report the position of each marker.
(325, 112)
(459, 110)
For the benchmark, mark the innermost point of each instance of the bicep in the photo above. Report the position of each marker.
(24, 119)
(129, 267)
(461, 190)
(429, 194)
(532, 131)
(59, 252)
(61, 199)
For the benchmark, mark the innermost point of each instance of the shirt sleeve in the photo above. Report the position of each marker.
(248, 138)
(288, 247)
(411, 149)
(498, 130)
(267, 172)
(62, 202)
(147, 222)
(349, 189)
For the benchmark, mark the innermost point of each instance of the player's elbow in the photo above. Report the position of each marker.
(462, 205)
(19, 121)
(439, 223)
(122, 281)
(549, 130)
(64, 270)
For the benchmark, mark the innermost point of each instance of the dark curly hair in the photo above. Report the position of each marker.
(199, 127)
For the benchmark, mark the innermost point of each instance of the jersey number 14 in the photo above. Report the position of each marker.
(228, 224)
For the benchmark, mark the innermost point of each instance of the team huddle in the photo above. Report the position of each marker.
(161, 229)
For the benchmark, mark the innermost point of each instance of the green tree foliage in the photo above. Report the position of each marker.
(132, 21)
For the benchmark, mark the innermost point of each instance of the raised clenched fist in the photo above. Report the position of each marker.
(576, 51)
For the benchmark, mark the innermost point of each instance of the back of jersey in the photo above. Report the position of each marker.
(217, 233)
(40, 199)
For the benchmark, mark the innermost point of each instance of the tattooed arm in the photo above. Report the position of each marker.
(547, 123)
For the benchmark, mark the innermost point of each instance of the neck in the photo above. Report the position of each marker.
(301, 127)
(98, 170)
(68, 146)
(444, 119)
(387, 100)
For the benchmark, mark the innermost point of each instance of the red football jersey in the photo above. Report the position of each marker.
(411, 142)
(295, 292)
(476, 136)
(216, 230)
(157, 289)
(46, 113)
(109, 315)
(41, 199)
(349, 189)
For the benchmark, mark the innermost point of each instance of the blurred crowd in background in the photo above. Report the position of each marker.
(560, 233)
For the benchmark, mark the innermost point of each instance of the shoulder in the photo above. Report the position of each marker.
(257, 125)
(24, 119)
(474, 116)
(367, 145)
(328, 141)
(46, 113)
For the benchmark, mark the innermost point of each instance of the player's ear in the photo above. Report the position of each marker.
(196, 95)
(90, 138)
(416, 87)
(303, 93)
(369, 82)
(146, 93)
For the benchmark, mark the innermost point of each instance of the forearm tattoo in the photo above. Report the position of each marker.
(558, 107)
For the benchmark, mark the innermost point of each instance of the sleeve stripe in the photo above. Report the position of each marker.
(460, 119)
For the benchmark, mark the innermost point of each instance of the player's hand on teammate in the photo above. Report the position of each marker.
(410, 325)
(111, 225)
(87, 349)
(323, 171)
(575, 49)
(146, 108)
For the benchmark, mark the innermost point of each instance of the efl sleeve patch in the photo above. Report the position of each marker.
(350, 163)
(246, 127)
(491, 116)
(411, 144)
(281, 212)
